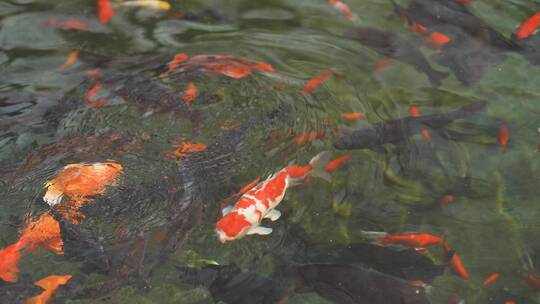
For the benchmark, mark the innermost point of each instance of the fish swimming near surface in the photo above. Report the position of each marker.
(229, 284)
(528, 38)
(397, 47)
(399, 130)
(432, 13)
(245, 217)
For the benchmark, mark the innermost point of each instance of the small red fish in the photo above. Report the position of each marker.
(245, 217)
(337, 163)
(105, 11)
(190, 93)
(309, 137)
(50, 284)
(533, 280)
(456, 265)
(184, 148)
(491, 279)
(413, 240)
(529, 26)
(445, 200)
(173, 64)
(92, 92)
(316, 81)
(436, 40)
(504, 137)
(72, 58)
(68, 24)
(381, 64)
(343, 8)
(350, 116)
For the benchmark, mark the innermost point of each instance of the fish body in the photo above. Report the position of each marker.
(413, 240)
(491, 279)
(528, 27)
(397, 131)
(105, 11)
(260, 202)
(456, 265)
(395, 46)
(50, 284)
(504, 137)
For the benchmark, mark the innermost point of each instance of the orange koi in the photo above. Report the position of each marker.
(315, 82)
(533, 280)
(309, 137)
(343, 8)
(445, 200)
(190, 93)
(68, 24)
(43, 232)
(491, 279)
(504, 137)
(381, 64)
(352, 116)
(9, 257)
(413, 240)
(337, 163)
(50, 284)
(72, 58)
(456, 265)
(529, 26)
(105, 11)
(80, 181)
(247, 187)
(186, 147)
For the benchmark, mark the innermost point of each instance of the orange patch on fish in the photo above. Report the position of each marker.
(381, 64)
(309, 137)
(72, 58)
(105, 11)
(413, 240)
(445, 200)
(491, 279)
(92, 92)
(43, 232)
(436, 40)
(504, 137)
(9, 257)
(190, 93)
(50, 284)
(247, 187)
(80, 181)
(186, 147)
(529, 26)
(350, 116)
(335, 164)
(315, 82)
(68, 24)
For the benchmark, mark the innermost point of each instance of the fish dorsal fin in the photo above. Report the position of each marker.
(260, 230)
(227, 210)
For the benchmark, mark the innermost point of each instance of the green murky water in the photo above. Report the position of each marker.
(492, 223)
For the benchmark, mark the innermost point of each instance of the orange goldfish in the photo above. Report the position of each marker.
(105, 11)
(414, 240)
(529, 26)
(316, 81)
(72, 58)
(68, 24)
(80, 181)
(456, 265)
(504, 137)
(343, 8)
(333, 165)
(491, 279)
(190, 93)
(352, 116)
(50, 284)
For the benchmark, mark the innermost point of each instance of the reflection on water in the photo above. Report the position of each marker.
(130, 128)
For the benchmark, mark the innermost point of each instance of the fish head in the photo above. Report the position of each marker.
(232, 226)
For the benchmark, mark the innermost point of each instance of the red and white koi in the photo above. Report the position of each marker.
(258, 203)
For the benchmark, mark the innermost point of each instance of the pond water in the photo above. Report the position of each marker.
(124, 135)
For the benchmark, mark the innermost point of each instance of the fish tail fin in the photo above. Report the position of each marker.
(319, 163)
(376, 237)
(436, 77)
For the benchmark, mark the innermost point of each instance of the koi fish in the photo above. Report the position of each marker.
(245, 217)
(68, 24)
(343, 8)
(491, 279)
(105, 11)
(445, 200)
(190, 93)
(72, 58)
(43, 232)
(398, 130)
(80, 181)
(437, 40)
(352, 116)
(50, 284)
(528, 27)
(335, 164)
(152, 4)
(504, 137)
(456, 265)
(308, 137)
(395, 46)
(316, 81)
(413, 240)
(415, 112)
